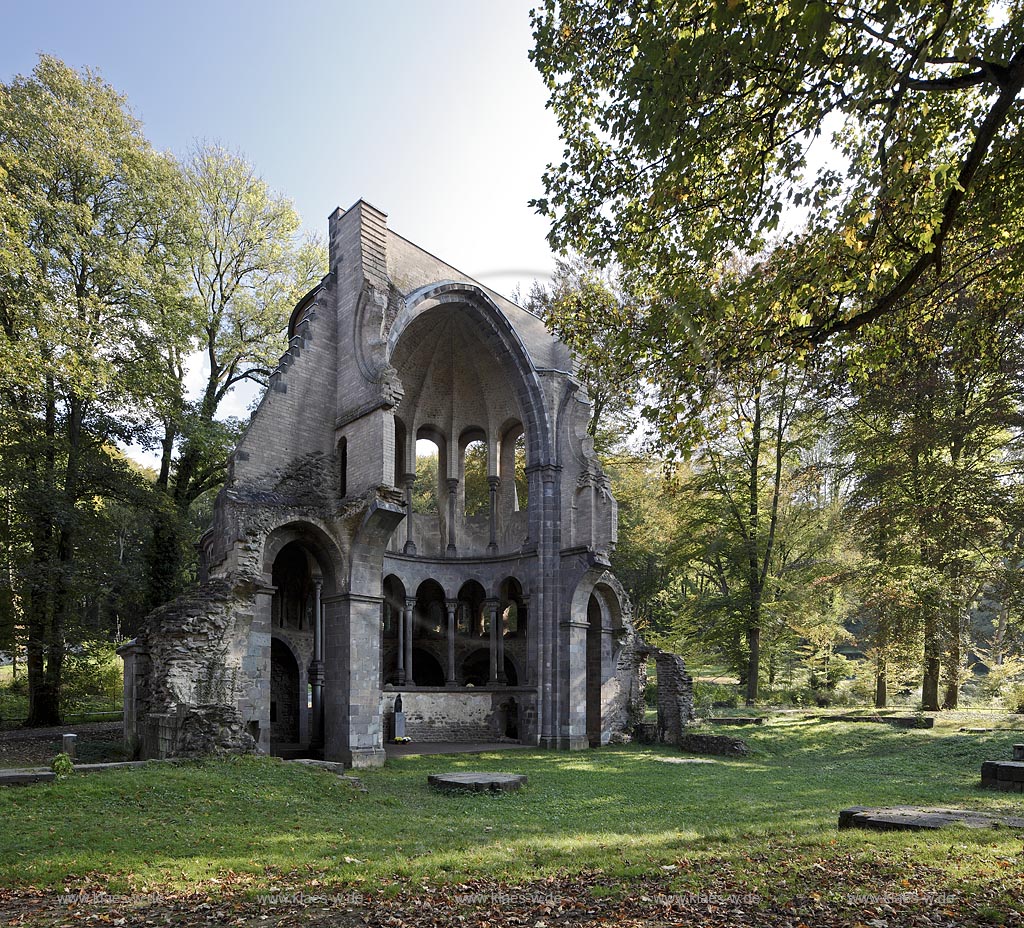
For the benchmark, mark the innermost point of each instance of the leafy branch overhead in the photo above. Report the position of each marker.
(876, 147)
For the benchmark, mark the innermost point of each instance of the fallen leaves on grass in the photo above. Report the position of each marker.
(831, 892)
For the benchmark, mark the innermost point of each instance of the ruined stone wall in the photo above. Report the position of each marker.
(462, 717)
(623, 705)
(675, 697)
(189, 674)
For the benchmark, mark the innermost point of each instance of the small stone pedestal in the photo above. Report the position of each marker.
(477, 782)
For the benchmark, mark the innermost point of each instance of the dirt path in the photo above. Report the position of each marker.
(36, 747)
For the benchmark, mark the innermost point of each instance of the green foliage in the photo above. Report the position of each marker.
(694, 131)
(425, 488)
(90, 299)
(92, 669)
(604, 810)
(62, 765)
(581, 299)
(475, 485)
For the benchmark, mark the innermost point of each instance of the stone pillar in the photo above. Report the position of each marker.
(573, 734)
(401, 646)
(526, 628)
(410, 545)
(494, 483)
(453, 488)
(499, 656)
(451, 605)
(353, 732)
(316, 670)
(255, 706)
(491, 605)
(410, 613)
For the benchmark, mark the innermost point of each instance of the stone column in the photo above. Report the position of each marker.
(573, 734)
(453, 488)
(491, 605)
(526, 629)
(410, 545)
(353, 732)
(401, 645)
(410, 612)
(494, 483)
(316, 670)
(499, 657)
(255, 706)
(451, 605)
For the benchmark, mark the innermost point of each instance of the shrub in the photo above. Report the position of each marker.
(92, 669)
(62, 765)
(708, 696)
(1013, 697)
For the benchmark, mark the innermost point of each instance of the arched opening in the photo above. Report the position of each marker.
(513, 609)
(429, 634)
(426, 495)
(594, 671)
(475, 669)
(469, 615)
(292, 576)
(391, 617)
(426, 668)
(476, 492)
(521, 482)
(284, 697)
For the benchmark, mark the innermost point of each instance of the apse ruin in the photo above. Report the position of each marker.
(334, 581)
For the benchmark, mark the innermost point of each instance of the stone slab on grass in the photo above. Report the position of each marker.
(720, 745)
(738, 720)
(919, 818)
(1005, 775)
(477, 782)
(339, 770)
(21, 776)
(899, 721)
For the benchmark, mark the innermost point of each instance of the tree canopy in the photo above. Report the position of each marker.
(874, 147)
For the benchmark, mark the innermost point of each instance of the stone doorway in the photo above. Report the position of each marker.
(594, 674)
(284, 697)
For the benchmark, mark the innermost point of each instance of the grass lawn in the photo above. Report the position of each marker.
(763, 825)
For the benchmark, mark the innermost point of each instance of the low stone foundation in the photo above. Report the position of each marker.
(721, 745)
(463, 715)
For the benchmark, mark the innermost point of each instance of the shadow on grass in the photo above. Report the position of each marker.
(618, 810)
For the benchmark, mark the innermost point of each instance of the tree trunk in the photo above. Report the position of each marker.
(881, 685)
(930, 683)
(951, 699)
(754, 651)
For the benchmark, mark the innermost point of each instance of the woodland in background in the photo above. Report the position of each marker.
(119, 267)
(811, 218)
(814, 438)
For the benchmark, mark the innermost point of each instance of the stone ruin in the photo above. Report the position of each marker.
(329, 588)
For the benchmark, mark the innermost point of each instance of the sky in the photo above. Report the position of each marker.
(431, 111)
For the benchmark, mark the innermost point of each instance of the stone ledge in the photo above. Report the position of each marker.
(331, 766)
(20, 776)
(477, 782)
(1005, 775)
(917, 818)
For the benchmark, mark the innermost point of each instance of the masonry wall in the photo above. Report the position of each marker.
(438, 715)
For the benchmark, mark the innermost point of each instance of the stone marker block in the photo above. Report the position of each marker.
(477, 782)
